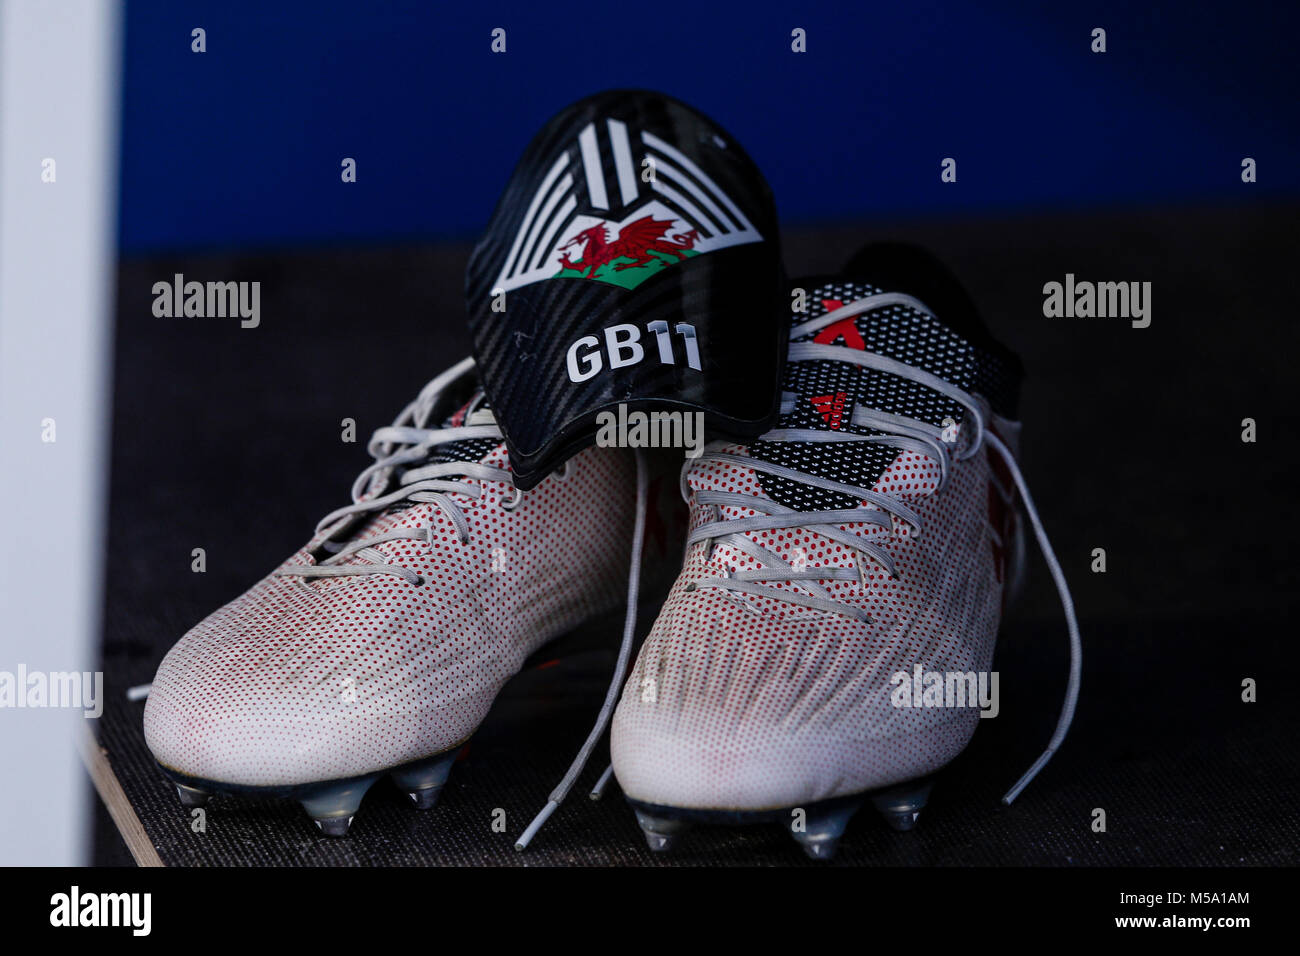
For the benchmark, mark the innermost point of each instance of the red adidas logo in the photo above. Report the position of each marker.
(844, 329)
(830, 408)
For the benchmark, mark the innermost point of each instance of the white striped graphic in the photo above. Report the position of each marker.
(688, 207)
(561, 189)
(532, 210)
(591, 165)
(666, 169)
(623, 161)
(691, 200)
(744, 232)
(548, 243)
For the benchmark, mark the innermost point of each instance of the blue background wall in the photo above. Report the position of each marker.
(241, 145)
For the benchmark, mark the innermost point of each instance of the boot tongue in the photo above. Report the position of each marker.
(826, 392)
(469, 449)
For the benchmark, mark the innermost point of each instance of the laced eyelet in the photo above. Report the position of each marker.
(908, 530)
(510, 504)
(564, 470)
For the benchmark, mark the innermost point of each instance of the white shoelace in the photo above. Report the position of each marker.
(561, 791)
(903, 433)
(407, 441)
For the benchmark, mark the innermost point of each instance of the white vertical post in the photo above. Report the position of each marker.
(58, 185)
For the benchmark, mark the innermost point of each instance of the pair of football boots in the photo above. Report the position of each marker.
(871, 536)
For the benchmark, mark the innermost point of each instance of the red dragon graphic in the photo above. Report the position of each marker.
(636, 241)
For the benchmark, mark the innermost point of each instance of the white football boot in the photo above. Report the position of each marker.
(832, 566)
(379, 646)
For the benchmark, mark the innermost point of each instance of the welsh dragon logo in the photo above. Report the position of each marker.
(640, 244)
(621, 219)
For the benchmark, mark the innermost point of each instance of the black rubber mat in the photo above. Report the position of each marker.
(228, 439)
